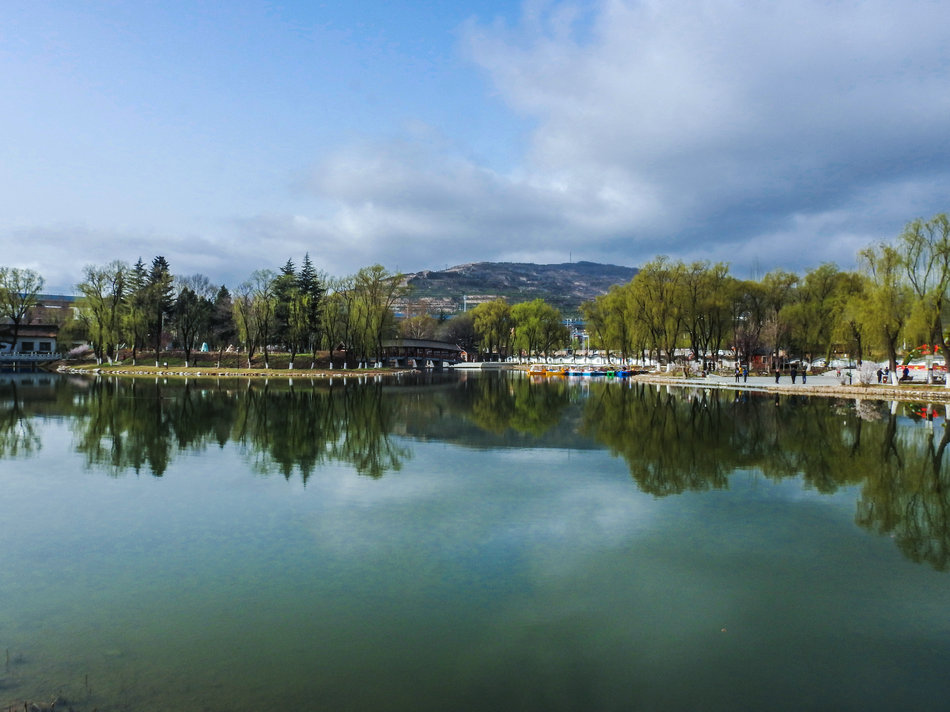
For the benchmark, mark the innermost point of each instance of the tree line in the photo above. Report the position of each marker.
(897, 295)
(299, 311)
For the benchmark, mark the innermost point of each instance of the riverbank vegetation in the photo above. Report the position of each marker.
(898, 295)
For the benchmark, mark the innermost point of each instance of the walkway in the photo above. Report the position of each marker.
(827, 384)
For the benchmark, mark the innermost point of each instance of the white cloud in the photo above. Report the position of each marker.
(710, 129)
(784, 133)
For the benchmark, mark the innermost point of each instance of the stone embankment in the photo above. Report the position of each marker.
(828, 385)
(204, 372)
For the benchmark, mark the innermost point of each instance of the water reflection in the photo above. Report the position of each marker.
(694, 440)
(673, 440)
(281, 428)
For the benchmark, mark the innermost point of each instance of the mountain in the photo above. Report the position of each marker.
(565, 286)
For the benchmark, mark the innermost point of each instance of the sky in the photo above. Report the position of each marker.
(232, 136)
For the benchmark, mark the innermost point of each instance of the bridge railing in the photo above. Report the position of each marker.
(28, 357)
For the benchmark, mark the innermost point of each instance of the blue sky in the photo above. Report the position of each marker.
(230, 136)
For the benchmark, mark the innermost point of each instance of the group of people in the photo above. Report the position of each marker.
(883, 375)
(743, 373)
(793, 371)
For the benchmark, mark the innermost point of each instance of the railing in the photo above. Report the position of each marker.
(28, 357)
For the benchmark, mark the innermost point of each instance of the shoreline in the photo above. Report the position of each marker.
(223, 372)
(825, 385)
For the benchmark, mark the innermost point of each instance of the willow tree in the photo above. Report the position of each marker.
(619, 324)
(538, 327)
(925, 247)
(595, 321)
(336, 315)
(817, 309)
(493, 324)
(779, 289)
(656, 295)
(102, 307)
(375, 291)
(706, 297)
(888, 300)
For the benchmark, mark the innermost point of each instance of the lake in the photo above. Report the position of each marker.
(468, 542)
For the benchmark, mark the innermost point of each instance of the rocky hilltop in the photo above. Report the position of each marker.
(565, 286)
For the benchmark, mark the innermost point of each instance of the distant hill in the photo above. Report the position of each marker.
(565, 286)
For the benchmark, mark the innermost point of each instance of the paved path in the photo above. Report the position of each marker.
(827, 384)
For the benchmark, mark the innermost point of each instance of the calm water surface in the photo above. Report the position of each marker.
(469, 543)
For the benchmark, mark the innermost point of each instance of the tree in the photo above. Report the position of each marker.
(459, 329)
(222, 328)
(244, 323)
(925, 246)
(285, 283)
(493, 325)
(102, 306)
(337, 315)
(538, 327)
(254, 313)
(619, 325)
(595, 315)
(136, 319)
(706, 294)
(850, 327)
(159, 300)
(888, 300)
(658, 303)
(778, 288)
(192, 311)
(817, 310)
(311, 285)
(418, 327)
(19, 292)
(375, 291)
(748, 308)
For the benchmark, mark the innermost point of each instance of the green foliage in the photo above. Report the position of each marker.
(888, 299)
(538, 328)
(493, 327)
(102, 307)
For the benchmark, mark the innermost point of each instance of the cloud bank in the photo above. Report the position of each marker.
(785, 133)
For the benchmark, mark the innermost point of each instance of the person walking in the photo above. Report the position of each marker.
(794, 373)
(745, 373)
(737, 373)
(778, 373)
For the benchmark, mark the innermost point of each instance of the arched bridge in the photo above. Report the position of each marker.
(421, 353)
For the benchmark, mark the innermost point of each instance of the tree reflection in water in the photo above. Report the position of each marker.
(18, 436)
(673, 440)
(139, 425)
(677, 440)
